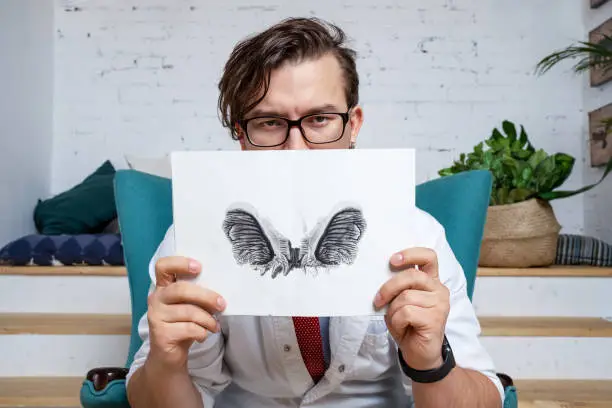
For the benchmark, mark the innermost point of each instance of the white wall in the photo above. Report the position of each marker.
(140, 77)
(26, 111)
(597, 202)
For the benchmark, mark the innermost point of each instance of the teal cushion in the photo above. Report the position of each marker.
(510, 398)
(460, 203)
(144, 207)
(112, 396)
(84, 209)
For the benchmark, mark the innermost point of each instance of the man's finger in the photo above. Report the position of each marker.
(413, 297)
(168, 269)
(190, 293)
(189, 331)
(190, 313)
(410, 279)
(408, 316)
(425, 258)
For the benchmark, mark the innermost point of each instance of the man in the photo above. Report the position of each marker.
(295, 86)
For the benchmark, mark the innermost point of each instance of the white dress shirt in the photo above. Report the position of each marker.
(256, 362)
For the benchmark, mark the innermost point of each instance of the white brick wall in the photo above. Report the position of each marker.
(26, 112)
(140, 77)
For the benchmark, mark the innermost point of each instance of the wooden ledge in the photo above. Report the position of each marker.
(64, 270)
(40, 391)
(60, 323)
(105, 324)
(578, 393)
(64, 392)
(553, 271)
(545, 326)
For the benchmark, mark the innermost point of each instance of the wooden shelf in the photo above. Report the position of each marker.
(553, 271)
(64, 270)
(573, 393)
(545, 326)
(563, 404)
(40, 391)
(55, 323)
(64, 392)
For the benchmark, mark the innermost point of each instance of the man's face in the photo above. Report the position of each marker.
(299, 89)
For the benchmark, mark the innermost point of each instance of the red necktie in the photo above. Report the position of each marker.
(308, 333)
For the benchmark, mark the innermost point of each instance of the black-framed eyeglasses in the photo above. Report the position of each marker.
(316, 128)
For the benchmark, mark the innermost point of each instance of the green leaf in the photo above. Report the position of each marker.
(446, 172)
(522, 154)
(536, 158)
(542, 174)
(553, 195)
(496, 135)
(494, 144)
(510, 130)
(523, 139)
(519, 194)
(607, 125)
(564, 163)
(526, 173)
(502, 195)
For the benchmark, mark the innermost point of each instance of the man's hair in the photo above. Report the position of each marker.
(246, 77)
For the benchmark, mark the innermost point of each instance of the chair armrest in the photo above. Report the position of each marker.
(506, 380)
(102, 376)
(510, 395)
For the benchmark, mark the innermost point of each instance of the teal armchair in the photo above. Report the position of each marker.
(144, 207)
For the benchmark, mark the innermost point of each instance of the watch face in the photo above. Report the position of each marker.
(446, 348)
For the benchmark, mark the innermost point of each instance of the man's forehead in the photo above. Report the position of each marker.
(305, 85)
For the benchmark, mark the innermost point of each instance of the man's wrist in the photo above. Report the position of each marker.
(156, 368)
(421, 364)
(432, 372)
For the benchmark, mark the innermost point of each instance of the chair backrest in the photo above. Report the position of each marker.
(144, 207)
(460, 204)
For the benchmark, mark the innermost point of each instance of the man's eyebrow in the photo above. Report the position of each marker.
(317, 109)
(263, 112)
(323, 108)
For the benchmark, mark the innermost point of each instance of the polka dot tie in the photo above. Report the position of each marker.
(308, 333)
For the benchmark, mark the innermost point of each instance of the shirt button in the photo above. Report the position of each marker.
(287, 348)
(341, 368)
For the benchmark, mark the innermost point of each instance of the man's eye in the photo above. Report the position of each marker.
(270, 123)
(318, 120)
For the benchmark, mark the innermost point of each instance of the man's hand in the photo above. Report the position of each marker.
(418, 307)
(179, 312)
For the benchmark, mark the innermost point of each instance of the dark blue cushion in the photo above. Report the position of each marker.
(49, 250)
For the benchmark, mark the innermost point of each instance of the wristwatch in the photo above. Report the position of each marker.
(433, 375)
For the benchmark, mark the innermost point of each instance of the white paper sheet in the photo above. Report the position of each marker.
(343, 213)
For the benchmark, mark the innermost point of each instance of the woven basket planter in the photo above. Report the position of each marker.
(520, 235)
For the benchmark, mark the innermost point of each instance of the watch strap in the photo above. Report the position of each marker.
(433, 375)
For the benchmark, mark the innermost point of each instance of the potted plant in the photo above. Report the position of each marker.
(589, 55)
(595, 55)
(521, 228)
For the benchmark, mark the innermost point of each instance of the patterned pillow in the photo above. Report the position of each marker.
(575, 249)
(58, 250)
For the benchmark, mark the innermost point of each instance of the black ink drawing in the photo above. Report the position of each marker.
(331, 243)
